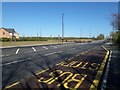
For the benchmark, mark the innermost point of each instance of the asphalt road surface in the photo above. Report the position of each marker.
(19, 64)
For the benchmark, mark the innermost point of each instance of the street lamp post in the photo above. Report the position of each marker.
(40, 33)
(62, 27)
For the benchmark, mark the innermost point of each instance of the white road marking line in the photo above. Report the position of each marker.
(33, 49)
(1, 55)
(71, 49)
(44, 47)
(17, 51)
(50, 54)
(58, 45)
(77, 55)
(59, 51)
(6, 55)
(71, 58)
(86, 51)
(15, 61)
(53, 53)
(54, 46)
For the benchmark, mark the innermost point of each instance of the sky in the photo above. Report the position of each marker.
(81, 19)
(60, 0)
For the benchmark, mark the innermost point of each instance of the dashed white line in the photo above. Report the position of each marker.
(15, 61)
(50, 54)
(86, 51)
(1, 55)
(77, 55)
(33, 49)
(6, 55)
(71, 49)
(59, 51)
(70, 58)
(54, 46)
(58, 45)
(44, 47)
(53, 53)
(17, 51)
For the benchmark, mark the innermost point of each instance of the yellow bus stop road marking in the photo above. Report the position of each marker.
(94, 86)
(95, 81)
(19, 82)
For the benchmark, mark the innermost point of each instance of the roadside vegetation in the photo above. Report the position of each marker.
(115, 34)
(46, 40)
(100, 37)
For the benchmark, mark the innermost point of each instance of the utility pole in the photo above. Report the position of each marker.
(51, 37)
(90, 34)
(62, 27)
(81, 32)
(37, 35)
(81, 35)
(40, 33)
(58, 37)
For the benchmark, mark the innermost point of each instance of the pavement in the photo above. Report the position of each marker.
(70, 65)
(112, 72)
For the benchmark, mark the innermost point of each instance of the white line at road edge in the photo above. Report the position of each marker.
(16, 61)
(17, 51)
(52, 53)
(54, 46)
(59, 51)
(71, 49)
(44, 47)
(33, 49)
(104, 83)
(1, 55)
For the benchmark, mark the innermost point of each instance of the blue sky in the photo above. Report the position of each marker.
(30, 18)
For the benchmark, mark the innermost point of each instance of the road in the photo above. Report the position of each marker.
(21, 63)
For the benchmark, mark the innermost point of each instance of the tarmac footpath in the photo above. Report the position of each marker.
(83, 71)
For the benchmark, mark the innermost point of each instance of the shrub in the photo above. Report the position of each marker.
(4, 39)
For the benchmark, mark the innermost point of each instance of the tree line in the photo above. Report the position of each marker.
(115, 34)
(99, 37)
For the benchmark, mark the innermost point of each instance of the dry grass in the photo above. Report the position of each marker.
(4, 44)
(21, 43)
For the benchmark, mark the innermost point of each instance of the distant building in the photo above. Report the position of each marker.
(8, 33)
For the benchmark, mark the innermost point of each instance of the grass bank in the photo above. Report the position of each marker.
(21, 43)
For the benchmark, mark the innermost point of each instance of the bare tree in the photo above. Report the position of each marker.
(116, 21)
(116, 27)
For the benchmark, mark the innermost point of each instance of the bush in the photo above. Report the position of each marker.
(4, 39)
(33, 39)
(118, 38)
(100, 37)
